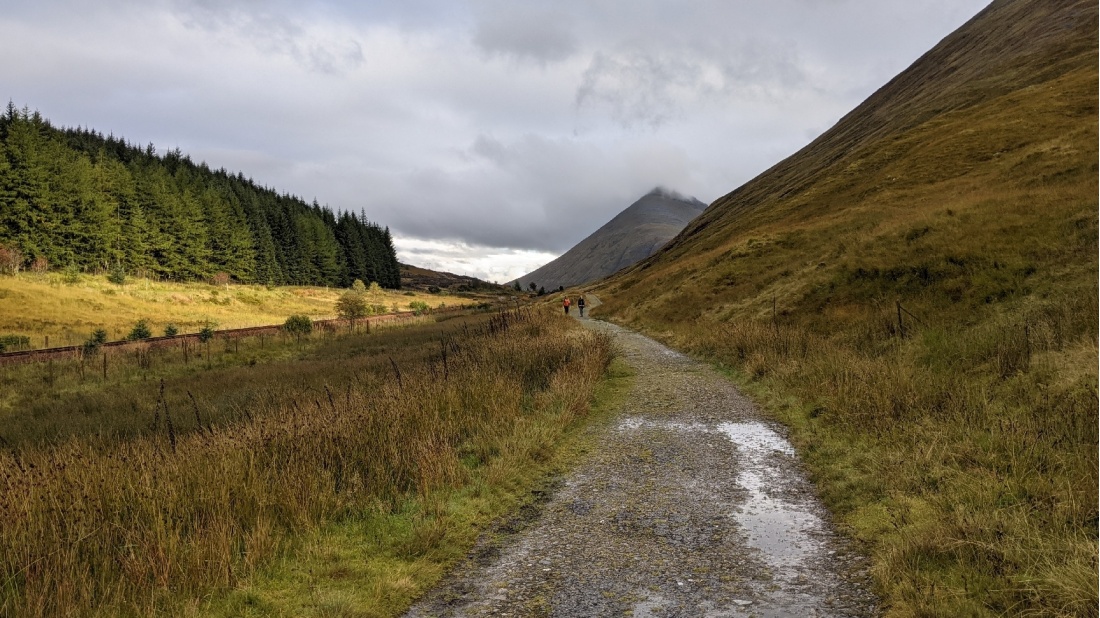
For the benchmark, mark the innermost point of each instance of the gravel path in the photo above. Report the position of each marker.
(691, 505)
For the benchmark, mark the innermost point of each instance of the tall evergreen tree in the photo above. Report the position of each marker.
(77, 196)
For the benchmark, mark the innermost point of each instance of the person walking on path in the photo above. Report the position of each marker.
(565, 303)
(580, 305)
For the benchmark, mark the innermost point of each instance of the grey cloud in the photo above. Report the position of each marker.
(490, 148)
(524, 32)
(641, 87)
(534, 192)
(638, 88)
(274, 29)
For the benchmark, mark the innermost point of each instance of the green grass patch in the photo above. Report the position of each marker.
(376, 562)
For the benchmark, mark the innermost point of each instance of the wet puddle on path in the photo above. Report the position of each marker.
(775, 516)
(783, 529)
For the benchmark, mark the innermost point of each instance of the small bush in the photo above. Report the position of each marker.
(206, 333)
(12, 343)
(170, 330)
(99, 336)
(298, 325)
(140, 331)
(11, 259)
(358, 286)
(71, 275)
(220, 278)
(418, 307)
(432, 289)
(351, 305)
(93, 343)
(117, 275)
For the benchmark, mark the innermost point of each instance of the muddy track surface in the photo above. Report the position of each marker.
(690, 505)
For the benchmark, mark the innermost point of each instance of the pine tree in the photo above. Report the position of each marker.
(78, 198)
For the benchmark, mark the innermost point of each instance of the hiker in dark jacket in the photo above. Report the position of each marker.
(580, 305)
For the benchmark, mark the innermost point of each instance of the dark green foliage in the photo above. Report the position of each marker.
(298, 325)
(419, 307)
(12, 343)
(74, 196)
(140, 331)
(170, 330)
(99, 336)
(71, 274)
(516, 286)
(117, 275)
(207, 332)
(95, 340)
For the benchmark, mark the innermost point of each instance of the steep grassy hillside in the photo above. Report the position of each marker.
(915, 294)
(633, 235)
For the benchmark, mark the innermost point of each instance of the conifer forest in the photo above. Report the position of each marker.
(74, 198)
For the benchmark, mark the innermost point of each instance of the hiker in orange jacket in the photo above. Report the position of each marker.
(565, 303)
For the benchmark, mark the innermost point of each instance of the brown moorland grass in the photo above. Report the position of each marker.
(915, 294)
(111, 393)
(155, 524)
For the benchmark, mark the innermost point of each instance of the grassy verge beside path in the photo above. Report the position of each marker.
(963, 460)
(376, 564)
(364, 438)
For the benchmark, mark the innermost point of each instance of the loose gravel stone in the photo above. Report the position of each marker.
(691, 505)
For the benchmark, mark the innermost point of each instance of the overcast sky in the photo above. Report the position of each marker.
(489, 135)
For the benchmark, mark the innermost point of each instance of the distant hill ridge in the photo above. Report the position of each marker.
(632, 235)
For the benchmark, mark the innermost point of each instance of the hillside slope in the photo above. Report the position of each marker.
(634, 234)
(916, 294)
(423, 279)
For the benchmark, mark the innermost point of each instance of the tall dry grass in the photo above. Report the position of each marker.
(112, 391)
(965, 456)
(147, 525)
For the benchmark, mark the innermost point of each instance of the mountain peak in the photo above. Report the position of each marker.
(661, 191)
(632, 235)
